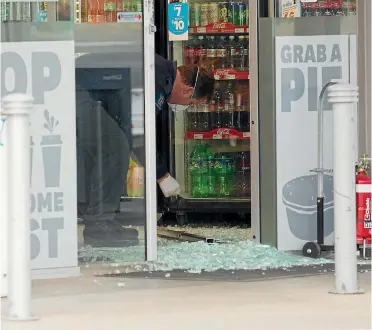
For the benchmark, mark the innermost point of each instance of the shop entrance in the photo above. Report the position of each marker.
(236, 156)
(207, 147)
(213, 149)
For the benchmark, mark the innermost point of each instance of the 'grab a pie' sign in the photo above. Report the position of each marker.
(46, 70)
(304, 64)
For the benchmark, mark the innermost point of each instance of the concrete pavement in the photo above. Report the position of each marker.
(117, 303)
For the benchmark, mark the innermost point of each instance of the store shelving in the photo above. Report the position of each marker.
(218, 134)
(230, 74)
(222, 123)
(218, 28)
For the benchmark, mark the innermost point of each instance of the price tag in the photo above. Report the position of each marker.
(217, 137)
(178, 20)
(239, 30)
(201, 30)
(198, 136)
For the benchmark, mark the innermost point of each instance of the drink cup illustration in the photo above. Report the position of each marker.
(31, 156)
(51, 150)
(300, 198)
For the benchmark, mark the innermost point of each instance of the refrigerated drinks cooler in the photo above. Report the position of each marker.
(209, 144)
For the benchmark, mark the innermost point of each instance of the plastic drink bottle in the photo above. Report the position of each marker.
(237, 112)
(215, 107)
(228, 107)
(231, 53)
(246, 52)
(221, 171)
(110, 11)
(95, 12)
(200, 51)
(222, 53)
(211, 176)
(243, 175)
(204, 120)
(198, 170)
(239, 54)
(192, 118)
(211, 51)
(231, 175)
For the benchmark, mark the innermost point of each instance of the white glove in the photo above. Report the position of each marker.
(169, 186)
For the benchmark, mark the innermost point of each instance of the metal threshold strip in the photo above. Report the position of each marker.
(186, 237)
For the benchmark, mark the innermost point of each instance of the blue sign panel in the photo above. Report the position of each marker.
(178, 21)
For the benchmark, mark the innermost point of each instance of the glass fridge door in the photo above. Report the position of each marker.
(212, 138)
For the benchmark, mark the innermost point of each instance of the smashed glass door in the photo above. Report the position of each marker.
(110, 130)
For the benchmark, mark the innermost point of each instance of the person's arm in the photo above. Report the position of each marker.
(164, 78)
(161, 169)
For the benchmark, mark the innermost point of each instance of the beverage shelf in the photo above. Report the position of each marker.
(218, 28)
(230, 74)
(218, 134)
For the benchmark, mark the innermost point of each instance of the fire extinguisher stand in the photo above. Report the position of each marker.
(314, 249)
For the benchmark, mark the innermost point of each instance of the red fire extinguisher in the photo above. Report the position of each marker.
(363, 208)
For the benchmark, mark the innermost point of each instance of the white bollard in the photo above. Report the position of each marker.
(344, 98)
(17, 108)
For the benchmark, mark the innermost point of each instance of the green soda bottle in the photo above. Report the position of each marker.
(194, 174)
(223, 177)
(211, 176)
(231, 175)
(198, 170)
(203, 189)
(137, 5)
(196, 183)
(198, 149)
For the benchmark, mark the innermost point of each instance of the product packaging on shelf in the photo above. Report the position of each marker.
(221, 175)
(209, 13)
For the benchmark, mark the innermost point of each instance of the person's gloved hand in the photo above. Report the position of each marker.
(169, 186)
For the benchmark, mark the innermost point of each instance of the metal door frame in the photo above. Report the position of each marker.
(150, 130)
(256, 202)
(254, 105)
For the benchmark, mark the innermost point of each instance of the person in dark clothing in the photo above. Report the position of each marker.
(103, 151)
(104, 147)
(179, 87)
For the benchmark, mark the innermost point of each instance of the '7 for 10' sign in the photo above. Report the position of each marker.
(178, 17)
